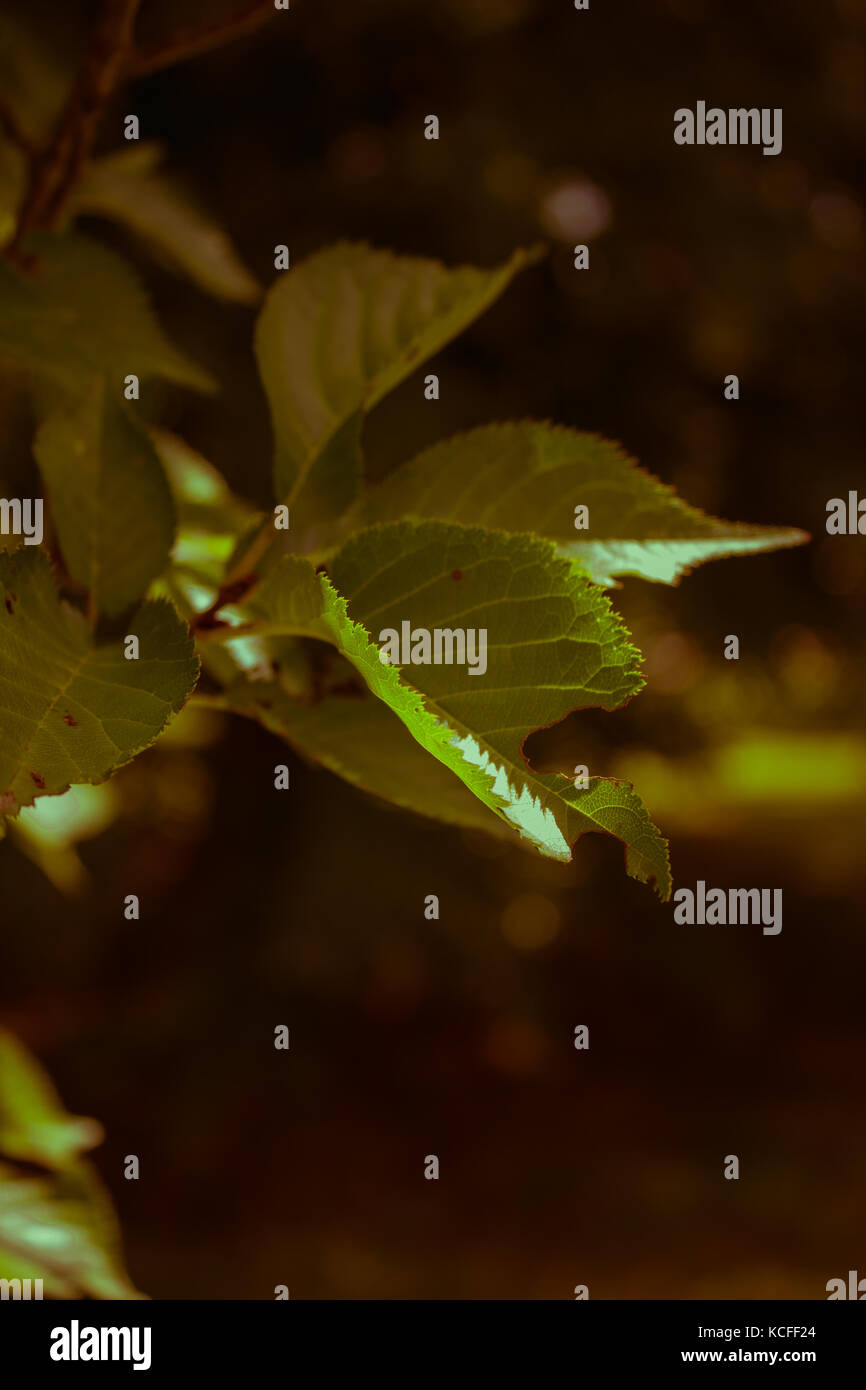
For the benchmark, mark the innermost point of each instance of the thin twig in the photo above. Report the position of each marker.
(228, 593)
(189, 43)
(228, 632)
(112, 58)
(14, 129)
(54, 174)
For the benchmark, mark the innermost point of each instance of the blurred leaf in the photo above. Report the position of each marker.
(48, 832)
(110, 500)
(554, 645)
(770, 766)
(84, 313)
(335, 335)
(56, 1226)
(531, 476)
(70, 711)
(79, 814)
(210, 520)
(34, 1127)
(762, 777)
(34, 80)
(123, 187)
(61, 1229)
(205, 503)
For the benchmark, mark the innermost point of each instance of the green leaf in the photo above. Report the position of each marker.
(289, 601)
(553, 645)
(34, 1127)
(347, 730)
(210, 521)
(110, 500)
(531, 476)
(335, 335)
(61, 1228)
(83, 313)
(359, 738)
(204, 502)
(124, 188)
(70, 711)
(57, 1226)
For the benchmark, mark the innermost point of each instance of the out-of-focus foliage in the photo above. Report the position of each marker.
(56, 1224)
(50, 831)
(83, 314)
(126, 188)
(762, 781)
(35, 75)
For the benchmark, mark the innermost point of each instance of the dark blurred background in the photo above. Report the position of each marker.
(454, 1037)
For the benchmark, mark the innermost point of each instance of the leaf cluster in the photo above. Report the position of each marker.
(478, 532)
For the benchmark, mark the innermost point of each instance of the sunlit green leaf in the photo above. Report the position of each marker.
(34, 1127)
(204, 502)
(49, 831)
(60, 1228)
(56, 1226)
(532, 476)
(553, 645)
(360, 739)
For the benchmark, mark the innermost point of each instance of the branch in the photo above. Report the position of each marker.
(189, 43)
(228, 632)
(229, 593)
(13, 128)
(54, 174)
(112, 58)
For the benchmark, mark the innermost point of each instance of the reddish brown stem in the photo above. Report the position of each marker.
(189, 43)
(229, 593)
(54, 173)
